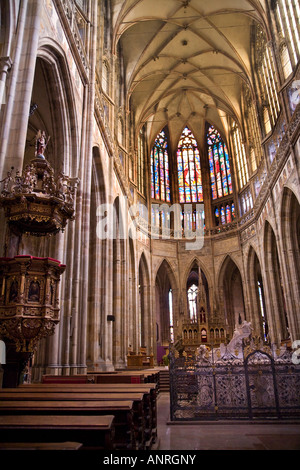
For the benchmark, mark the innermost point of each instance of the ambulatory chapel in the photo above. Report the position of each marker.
(149, 182)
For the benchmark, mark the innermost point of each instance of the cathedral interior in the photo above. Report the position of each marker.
(150, 192)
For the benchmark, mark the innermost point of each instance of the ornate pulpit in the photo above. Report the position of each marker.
(29, 301)
(38, 203)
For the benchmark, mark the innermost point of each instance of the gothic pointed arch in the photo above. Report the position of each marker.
(290, 236)
(195, 264)
(197, 285)
(166, 294)
(98, 254)
(53, 110)
(259, 316)
(144, 321)
(132, 295)
(274, 279)
(231, 292)
(8, 20)
(166, 266)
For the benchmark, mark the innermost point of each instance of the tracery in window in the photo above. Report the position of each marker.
(224, 213)
(240, 157)
(246, 201)
(82, 4)
(192, 220)
(252, 129)
(160, 174)
(269, 82)
(219, 166)
(189, 169)
(267, 121)
(285, 61)
(266, 80)
(287, 19)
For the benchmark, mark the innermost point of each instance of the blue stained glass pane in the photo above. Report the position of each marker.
(228, 214)
(160, 188)
(220, 174)
(188, 159)
(223, 219)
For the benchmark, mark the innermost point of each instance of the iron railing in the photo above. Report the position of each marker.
(254, 386)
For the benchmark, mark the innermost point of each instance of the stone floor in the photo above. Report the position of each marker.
(220, 436)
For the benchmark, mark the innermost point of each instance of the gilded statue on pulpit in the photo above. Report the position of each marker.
(41, 144)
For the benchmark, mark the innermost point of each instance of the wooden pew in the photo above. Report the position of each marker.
(151, 389)
(92, 432)
(135, 378)
(91, 386)
(125, 376)
(122, 410)
(70, 379)
(143, 376)
(49, 446)
(141, 404)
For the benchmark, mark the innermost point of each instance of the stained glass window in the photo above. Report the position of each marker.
(228, 214)
(189, 169)
(223, 220)
(217, 216)
(160, 176)
(225, 214)
(219, 166)
(233, 210)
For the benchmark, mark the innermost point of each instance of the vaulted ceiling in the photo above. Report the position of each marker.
(185, 61)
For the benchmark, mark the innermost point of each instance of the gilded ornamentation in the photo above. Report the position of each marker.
(37, 202)
(255, 343)
(29, 309)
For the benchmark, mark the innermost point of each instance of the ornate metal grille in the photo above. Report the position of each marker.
(228, 387)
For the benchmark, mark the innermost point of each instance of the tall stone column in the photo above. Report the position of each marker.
(16, 112)
(5, 67)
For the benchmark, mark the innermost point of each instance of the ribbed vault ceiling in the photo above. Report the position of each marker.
(185, 61)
